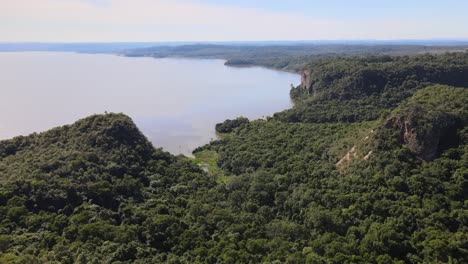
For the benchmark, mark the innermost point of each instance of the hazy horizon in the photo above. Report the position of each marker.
(306, 41)
(110, 21)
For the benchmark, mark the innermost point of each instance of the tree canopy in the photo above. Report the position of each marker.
(369, 166)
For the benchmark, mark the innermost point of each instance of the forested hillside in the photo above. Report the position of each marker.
(287, 57)
(369, 166)
(94, 192)
(363, 88)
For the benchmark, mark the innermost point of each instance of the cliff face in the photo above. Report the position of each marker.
(424, 141)
(306, 80)
(428, 123)
(357, 78)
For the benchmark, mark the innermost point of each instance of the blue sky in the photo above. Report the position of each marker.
(230, 20)
(356, 9)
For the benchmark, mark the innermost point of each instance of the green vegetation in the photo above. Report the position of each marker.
(359, 89)
(229, 125)
(369, 166)
(93, 192)
(290, 57)
(208, 160)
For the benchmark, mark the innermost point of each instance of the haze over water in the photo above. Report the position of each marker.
(175, 102)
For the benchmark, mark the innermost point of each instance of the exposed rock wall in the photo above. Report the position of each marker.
(306, 80)
(423, 141)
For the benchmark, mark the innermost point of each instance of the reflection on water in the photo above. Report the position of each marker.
(175, 102)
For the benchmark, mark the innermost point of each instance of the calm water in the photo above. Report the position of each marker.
(175, 102)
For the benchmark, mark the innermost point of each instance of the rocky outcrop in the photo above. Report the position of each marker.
(306, 80)
(352, 154)
(424, 137)
(347, 157)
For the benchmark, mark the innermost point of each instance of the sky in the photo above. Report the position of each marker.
(230, 20)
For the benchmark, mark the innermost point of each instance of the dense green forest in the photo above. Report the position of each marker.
(360, 89)
(369, 166)
(286, 57)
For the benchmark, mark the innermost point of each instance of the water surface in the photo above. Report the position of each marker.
(175, 102)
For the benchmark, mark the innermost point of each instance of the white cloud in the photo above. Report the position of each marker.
(163, 20)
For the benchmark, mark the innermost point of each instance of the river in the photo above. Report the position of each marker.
(175, 102)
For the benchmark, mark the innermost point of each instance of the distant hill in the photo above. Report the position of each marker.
(282, 55)
(293, 56)
(111, 47)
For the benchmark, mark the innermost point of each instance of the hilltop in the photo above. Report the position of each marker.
(66, 191)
